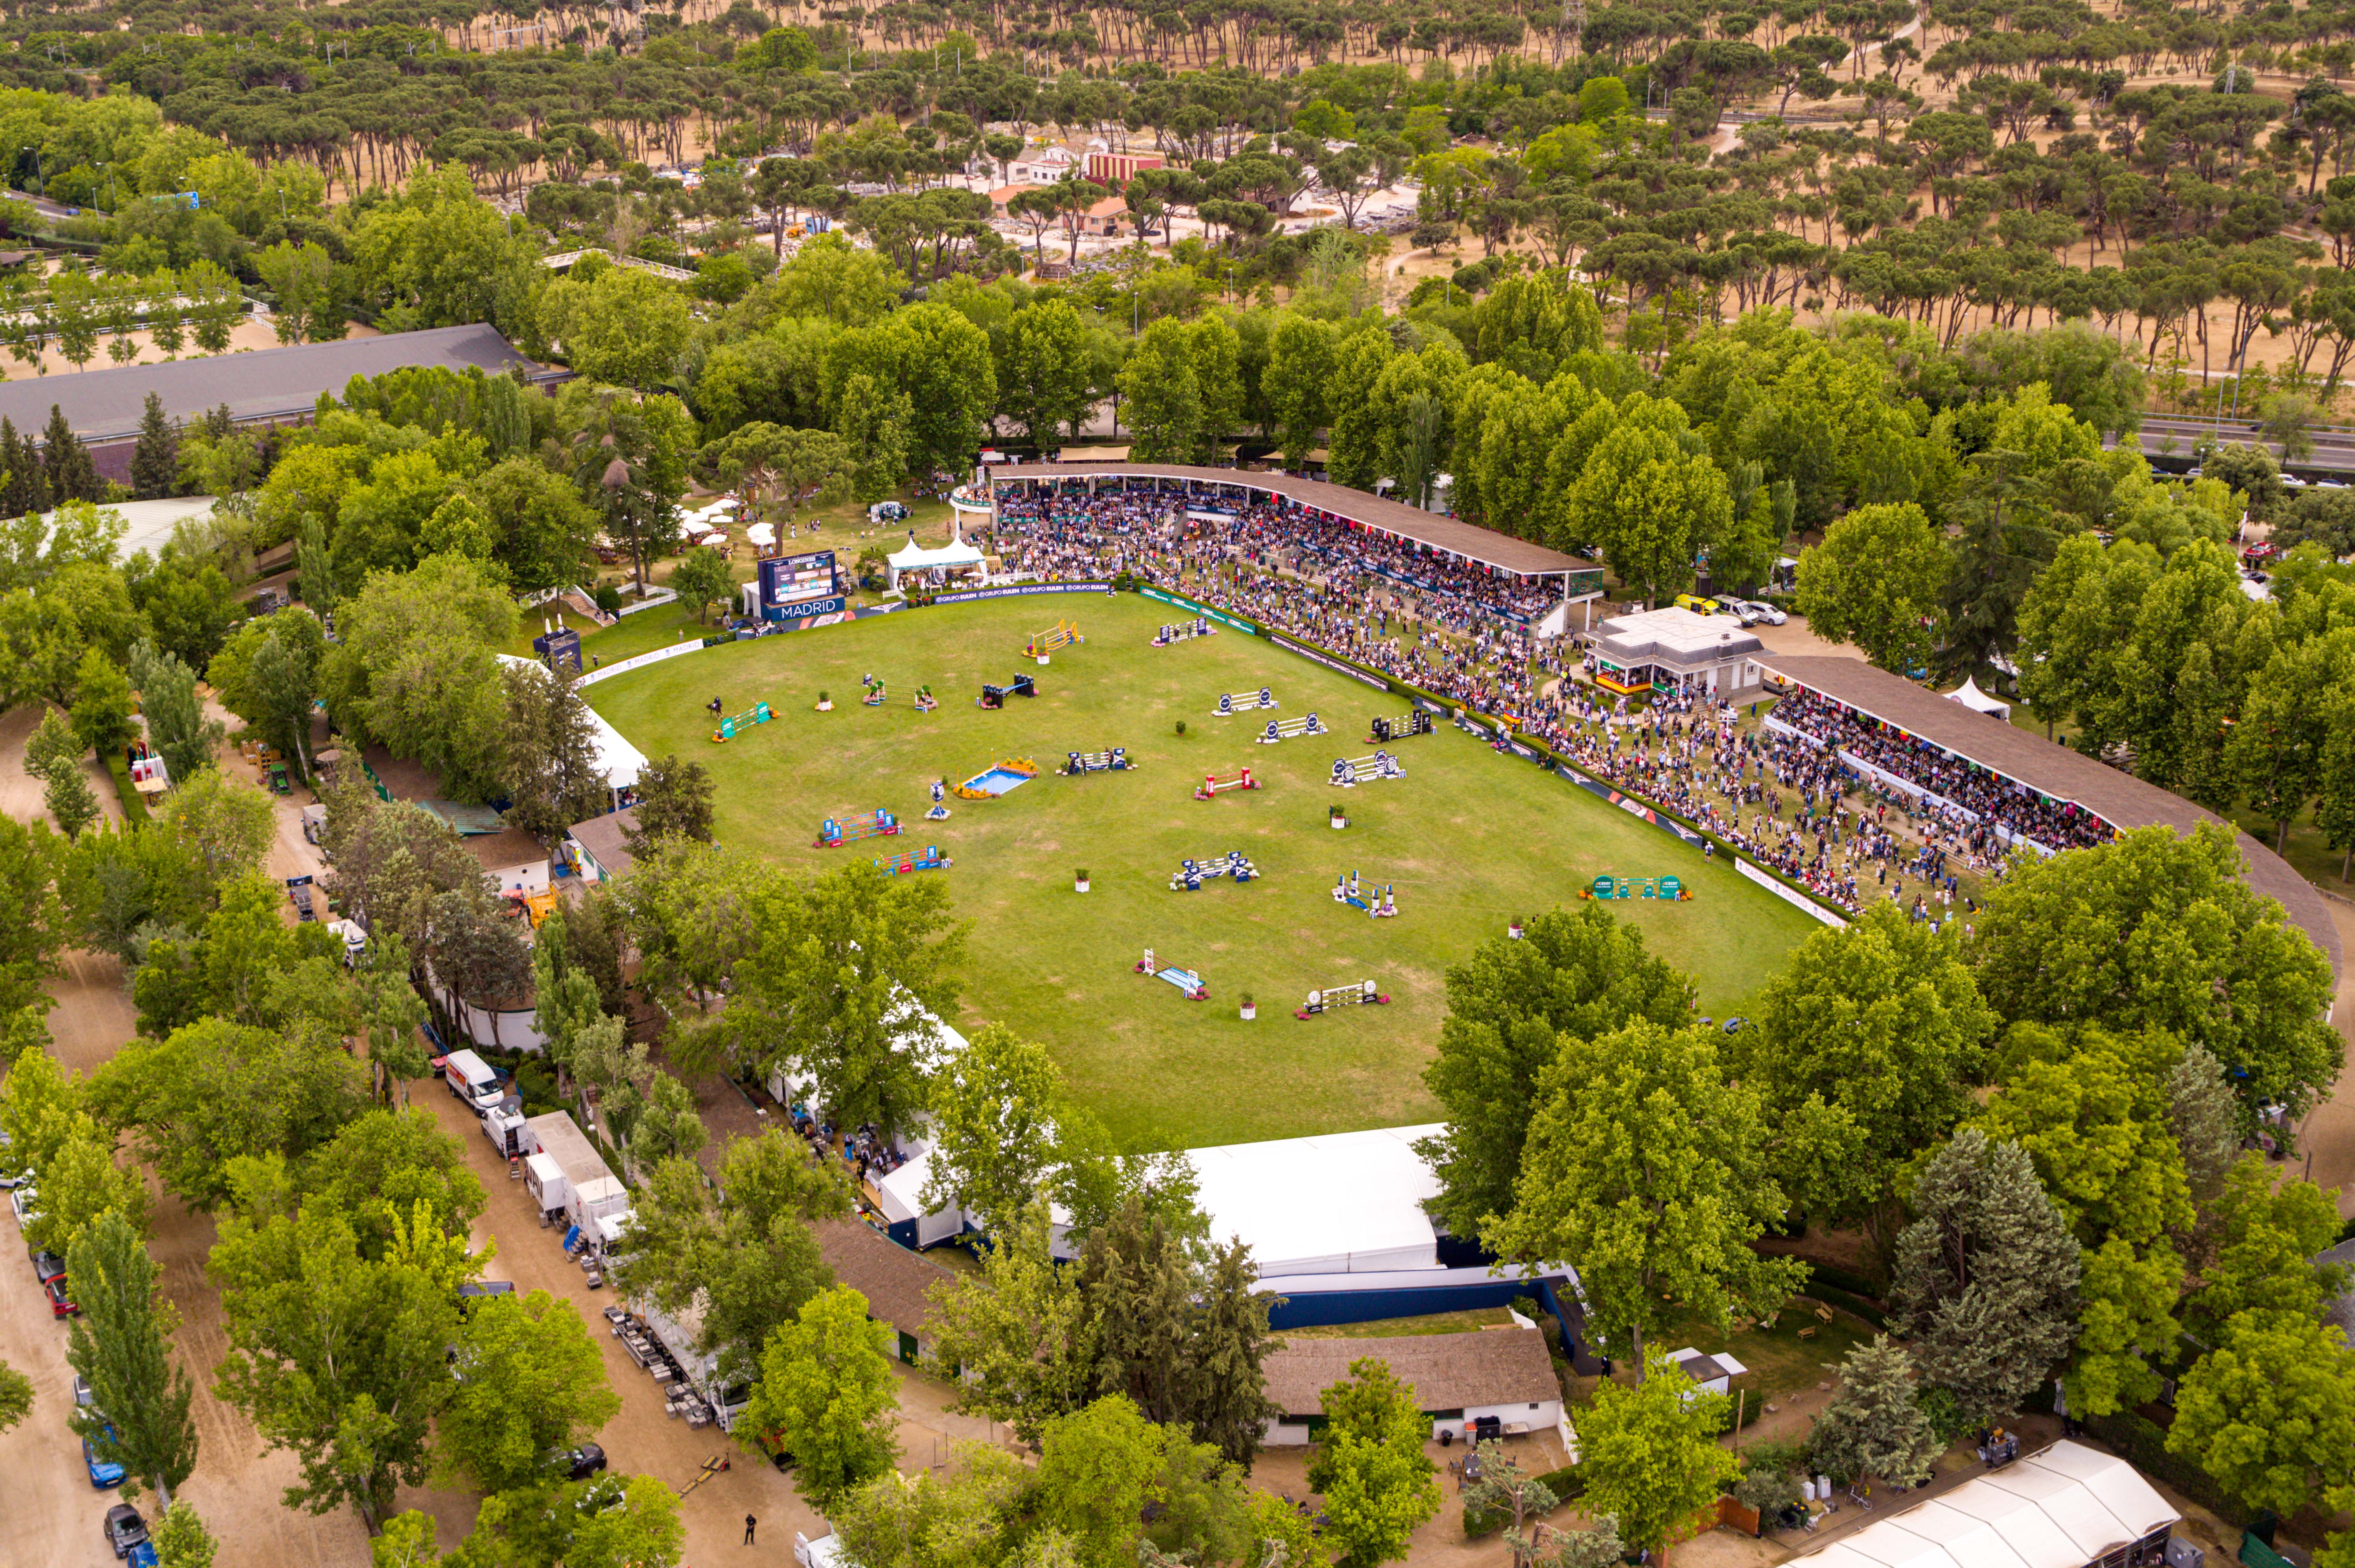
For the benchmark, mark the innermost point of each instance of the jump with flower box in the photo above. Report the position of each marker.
(1184, 631)
(1061, 634)
(1112, 761)
(1186, 980)
(1350, 772)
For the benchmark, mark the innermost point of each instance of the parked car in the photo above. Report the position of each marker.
(1739, 609)
(61, 1305)
(20, 1203)
(103, 1473)
(126, 1536)
(83, 1397)
(1696, 603)
(1765, 612)
(11, 1180)
(46, 1266)
(580, 1463)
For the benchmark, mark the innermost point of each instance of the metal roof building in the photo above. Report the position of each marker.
(2067, 1506)
(264, 386)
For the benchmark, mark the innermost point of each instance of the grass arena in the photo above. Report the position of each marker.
(1465, 840)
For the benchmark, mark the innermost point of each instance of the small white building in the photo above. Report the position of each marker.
(1459, 1380)
(1675, 649)
(1712, 1374)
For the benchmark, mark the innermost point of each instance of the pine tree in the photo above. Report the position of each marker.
(72, 476)
(1986, 1280)
(155, 460)
(1875, 1426)
(2206, 1115)
(26, 487)
(71, 802)
(121, 1345)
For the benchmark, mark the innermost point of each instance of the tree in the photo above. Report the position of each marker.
(1876, 581)
(2093, 1114)
(121, 1344)
(1019, 1334)
(156, 458)
(625, 326)
(267, 675)
(53, 754)
(1300, 364)
(80, 1185)
(1108, 1477)
(1875, 1426)
(2147, 931)
(16, 1397)
(1182, 1342)
(216, 1089)
(35, 931)
(1868, 1039)
(1161, 396)
(1508, 1485)
(184, 737)
(1379, 1486)
(838, 962)
(1574, 972)
(1051, 388)
(826, 1395)
(181, 1539)
(2253, 1250)
(875, 424)
(303, 277)
(992, 1128)
(530, 1382)
(1652, 507)
(1985, 1280)
(748, 1264)
(336, 1358)
(229, 823)
(550, 753)
(1650, 1456)
(2270, 1412)
(416, 670)
(959, 1517)
(704, 577)
(1644, 1172)
(101, 705)
(674, 799)
(72, 476)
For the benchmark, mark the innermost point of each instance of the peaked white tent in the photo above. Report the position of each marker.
(1969, 694)
(2066, 1507)
(954, 556)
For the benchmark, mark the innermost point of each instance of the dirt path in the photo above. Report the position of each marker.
(2327, 1136)
(20, 791)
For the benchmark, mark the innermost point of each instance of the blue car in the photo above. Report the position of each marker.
(103, 1473)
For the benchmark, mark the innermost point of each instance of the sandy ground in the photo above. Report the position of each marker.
(20, 793)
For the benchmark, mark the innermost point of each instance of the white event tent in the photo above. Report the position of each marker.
(954, 556)
(2065, 1507)
(1969, 694)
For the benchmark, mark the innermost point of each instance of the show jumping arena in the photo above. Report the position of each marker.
(1468, 838)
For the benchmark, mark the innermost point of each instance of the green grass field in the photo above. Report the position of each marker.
(1469, 838)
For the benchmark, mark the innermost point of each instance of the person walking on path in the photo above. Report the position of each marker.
(750, 1525)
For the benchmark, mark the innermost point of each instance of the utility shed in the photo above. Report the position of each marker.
(2066, 1507)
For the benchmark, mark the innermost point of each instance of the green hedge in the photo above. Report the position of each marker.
(135, 804)
(1564, 1484)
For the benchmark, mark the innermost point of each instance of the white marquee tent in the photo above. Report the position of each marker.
(956, 556)
(2066, 1507)
(1345, 1203)
(617, 759)
(1969, 694)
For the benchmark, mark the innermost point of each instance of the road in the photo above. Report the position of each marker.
(2334, 449)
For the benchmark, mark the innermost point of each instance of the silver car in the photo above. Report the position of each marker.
(1735, 608)
(1762, 610)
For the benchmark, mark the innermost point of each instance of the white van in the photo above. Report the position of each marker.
(469, 1078)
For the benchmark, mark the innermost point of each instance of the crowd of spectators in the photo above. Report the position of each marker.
(1987, 801)
(1320, 580)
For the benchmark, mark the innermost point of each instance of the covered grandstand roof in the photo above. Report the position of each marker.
(1485, 546)
(2116, 796)
(265, 384)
